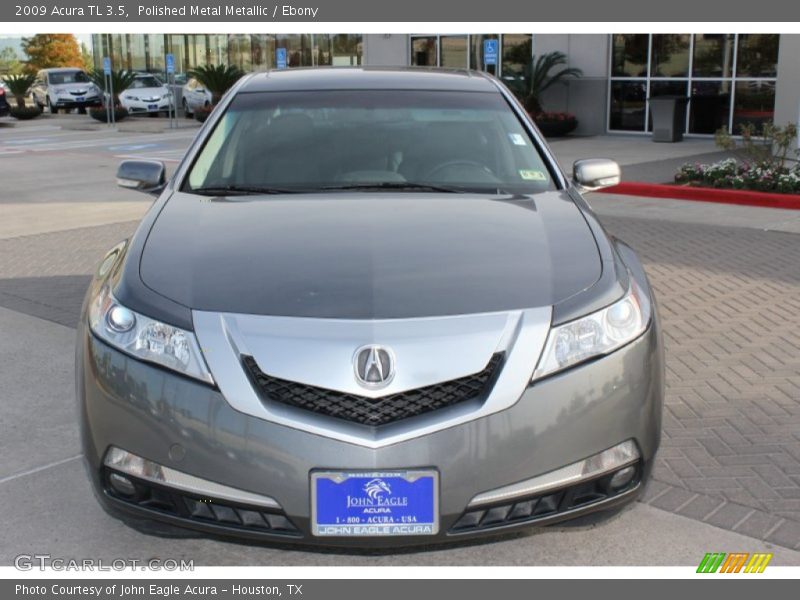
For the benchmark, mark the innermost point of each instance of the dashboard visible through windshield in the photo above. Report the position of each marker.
(407, 140)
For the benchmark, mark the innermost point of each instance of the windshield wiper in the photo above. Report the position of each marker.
(241, 190)
(395, 185)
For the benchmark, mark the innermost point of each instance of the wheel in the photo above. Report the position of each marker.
(50, 108)
(186, 112)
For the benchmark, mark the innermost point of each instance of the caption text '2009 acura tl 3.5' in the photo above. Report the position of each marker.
(368, 309)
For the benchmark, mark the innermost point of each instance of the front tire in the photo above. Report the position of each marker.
(50, 108)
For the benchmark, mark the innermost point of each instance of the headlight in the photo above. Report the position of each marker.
(145, 338)
(596, 334)
(132, 98)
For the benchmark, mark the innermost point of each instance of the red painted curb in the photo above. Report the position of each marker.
(683, 192)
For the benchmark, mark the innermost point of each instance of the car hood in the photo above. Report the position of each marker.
(369, 255)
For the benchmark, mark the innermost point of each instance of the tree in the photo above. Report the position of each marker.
(217, 79)
(46, 50)
(537, 78)
(19, 85)
(88, 59)
(9, 61)
(120, 81)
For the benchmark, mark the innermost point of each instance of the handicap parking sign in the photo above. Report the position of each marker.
(106, 65)
(280, 57)
(170, 63)
(490, 52)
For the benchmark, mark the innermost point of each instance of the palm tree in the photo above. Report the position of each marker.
(120, 81)
(217, 79)
(19, 85)
(536, 78)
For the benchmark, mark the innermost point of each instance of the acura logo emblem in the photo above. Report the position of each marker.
(374, 366)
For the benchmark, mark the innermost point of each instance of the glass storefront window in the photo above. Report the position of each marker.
(628, 105)
(710, 107)
(156, 52)
(476, 53)
(262, 48)
(666, 88)
(298, 49)
(240, 51)
(713, 55)
(670, 55)
(730, 78)
(454, 51)
(217, 49)
(346, 50)
(757, 55)
(321, 49)
(517, 53)
(754, 103)
(423, 51)
(629, 55)
(177, 46)
(135, 53)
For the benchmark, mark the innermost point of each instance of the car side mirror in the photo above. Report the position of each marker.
(148, 176)
(595, 173)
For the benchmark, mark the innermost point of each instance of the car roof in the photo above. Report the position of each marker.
(62, 70)
(369, 78)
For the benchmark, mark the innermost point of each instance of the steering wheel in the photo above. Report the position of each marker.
(430, 175)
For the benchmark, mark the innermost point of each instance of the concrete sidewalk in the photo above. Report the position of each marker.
(641, 159)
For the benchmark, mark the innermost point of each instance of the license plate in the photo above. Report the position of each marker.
(152, 107)
(384, 503)
(79, 99)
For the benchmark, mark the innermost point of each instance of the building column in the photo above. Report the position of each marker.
(787, 87)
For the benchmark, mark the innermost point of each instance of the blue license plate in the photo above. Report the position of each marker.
(79, 99)
(152, 107)
(374, 504)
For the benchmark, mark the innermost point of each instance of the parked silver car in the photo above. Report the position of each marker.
(64, 89)
(369, 309)
(194, 95)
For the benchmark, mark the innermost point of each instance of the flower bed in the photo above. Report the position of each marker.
(735, 175)
(555, 124)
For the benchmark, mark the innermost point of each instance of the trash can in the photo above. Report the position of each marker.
(669, 117)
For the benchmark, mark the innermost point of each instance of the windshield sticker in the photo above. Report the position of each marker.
(517, 139)
(532, 175)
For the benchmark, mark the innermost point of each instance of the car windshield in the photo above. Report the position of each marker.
(314, 141)
(145, 82)
(62, 77)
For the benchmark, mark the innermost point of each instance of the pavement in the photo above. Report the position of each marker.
(727, 476)
(641, 159)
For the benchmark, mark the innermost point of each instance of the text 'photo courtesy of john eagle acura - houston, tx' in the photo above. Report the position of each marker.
(368, 309)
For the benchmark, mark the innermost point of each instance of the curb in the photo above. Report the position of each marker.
(682, 192)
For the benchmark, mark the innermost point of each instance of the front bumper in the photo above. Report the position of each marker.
(65, 102)
(190, 427)
(133, 106)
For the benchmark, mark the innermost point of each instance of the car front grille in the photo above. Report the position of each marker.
(373, 412)
(207, 511)
(541, 506)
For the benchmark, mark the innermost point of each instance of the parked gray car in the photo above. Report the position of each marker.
(368, 309)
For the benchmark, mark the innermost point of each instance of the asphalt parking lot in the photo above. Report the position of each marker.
(728, 278)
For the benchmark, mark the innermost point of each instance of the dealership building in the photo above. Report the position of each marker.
(731, 79)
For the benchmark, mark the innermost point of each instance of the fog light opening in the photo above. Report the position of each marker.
(121, 484)
(622, 478)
